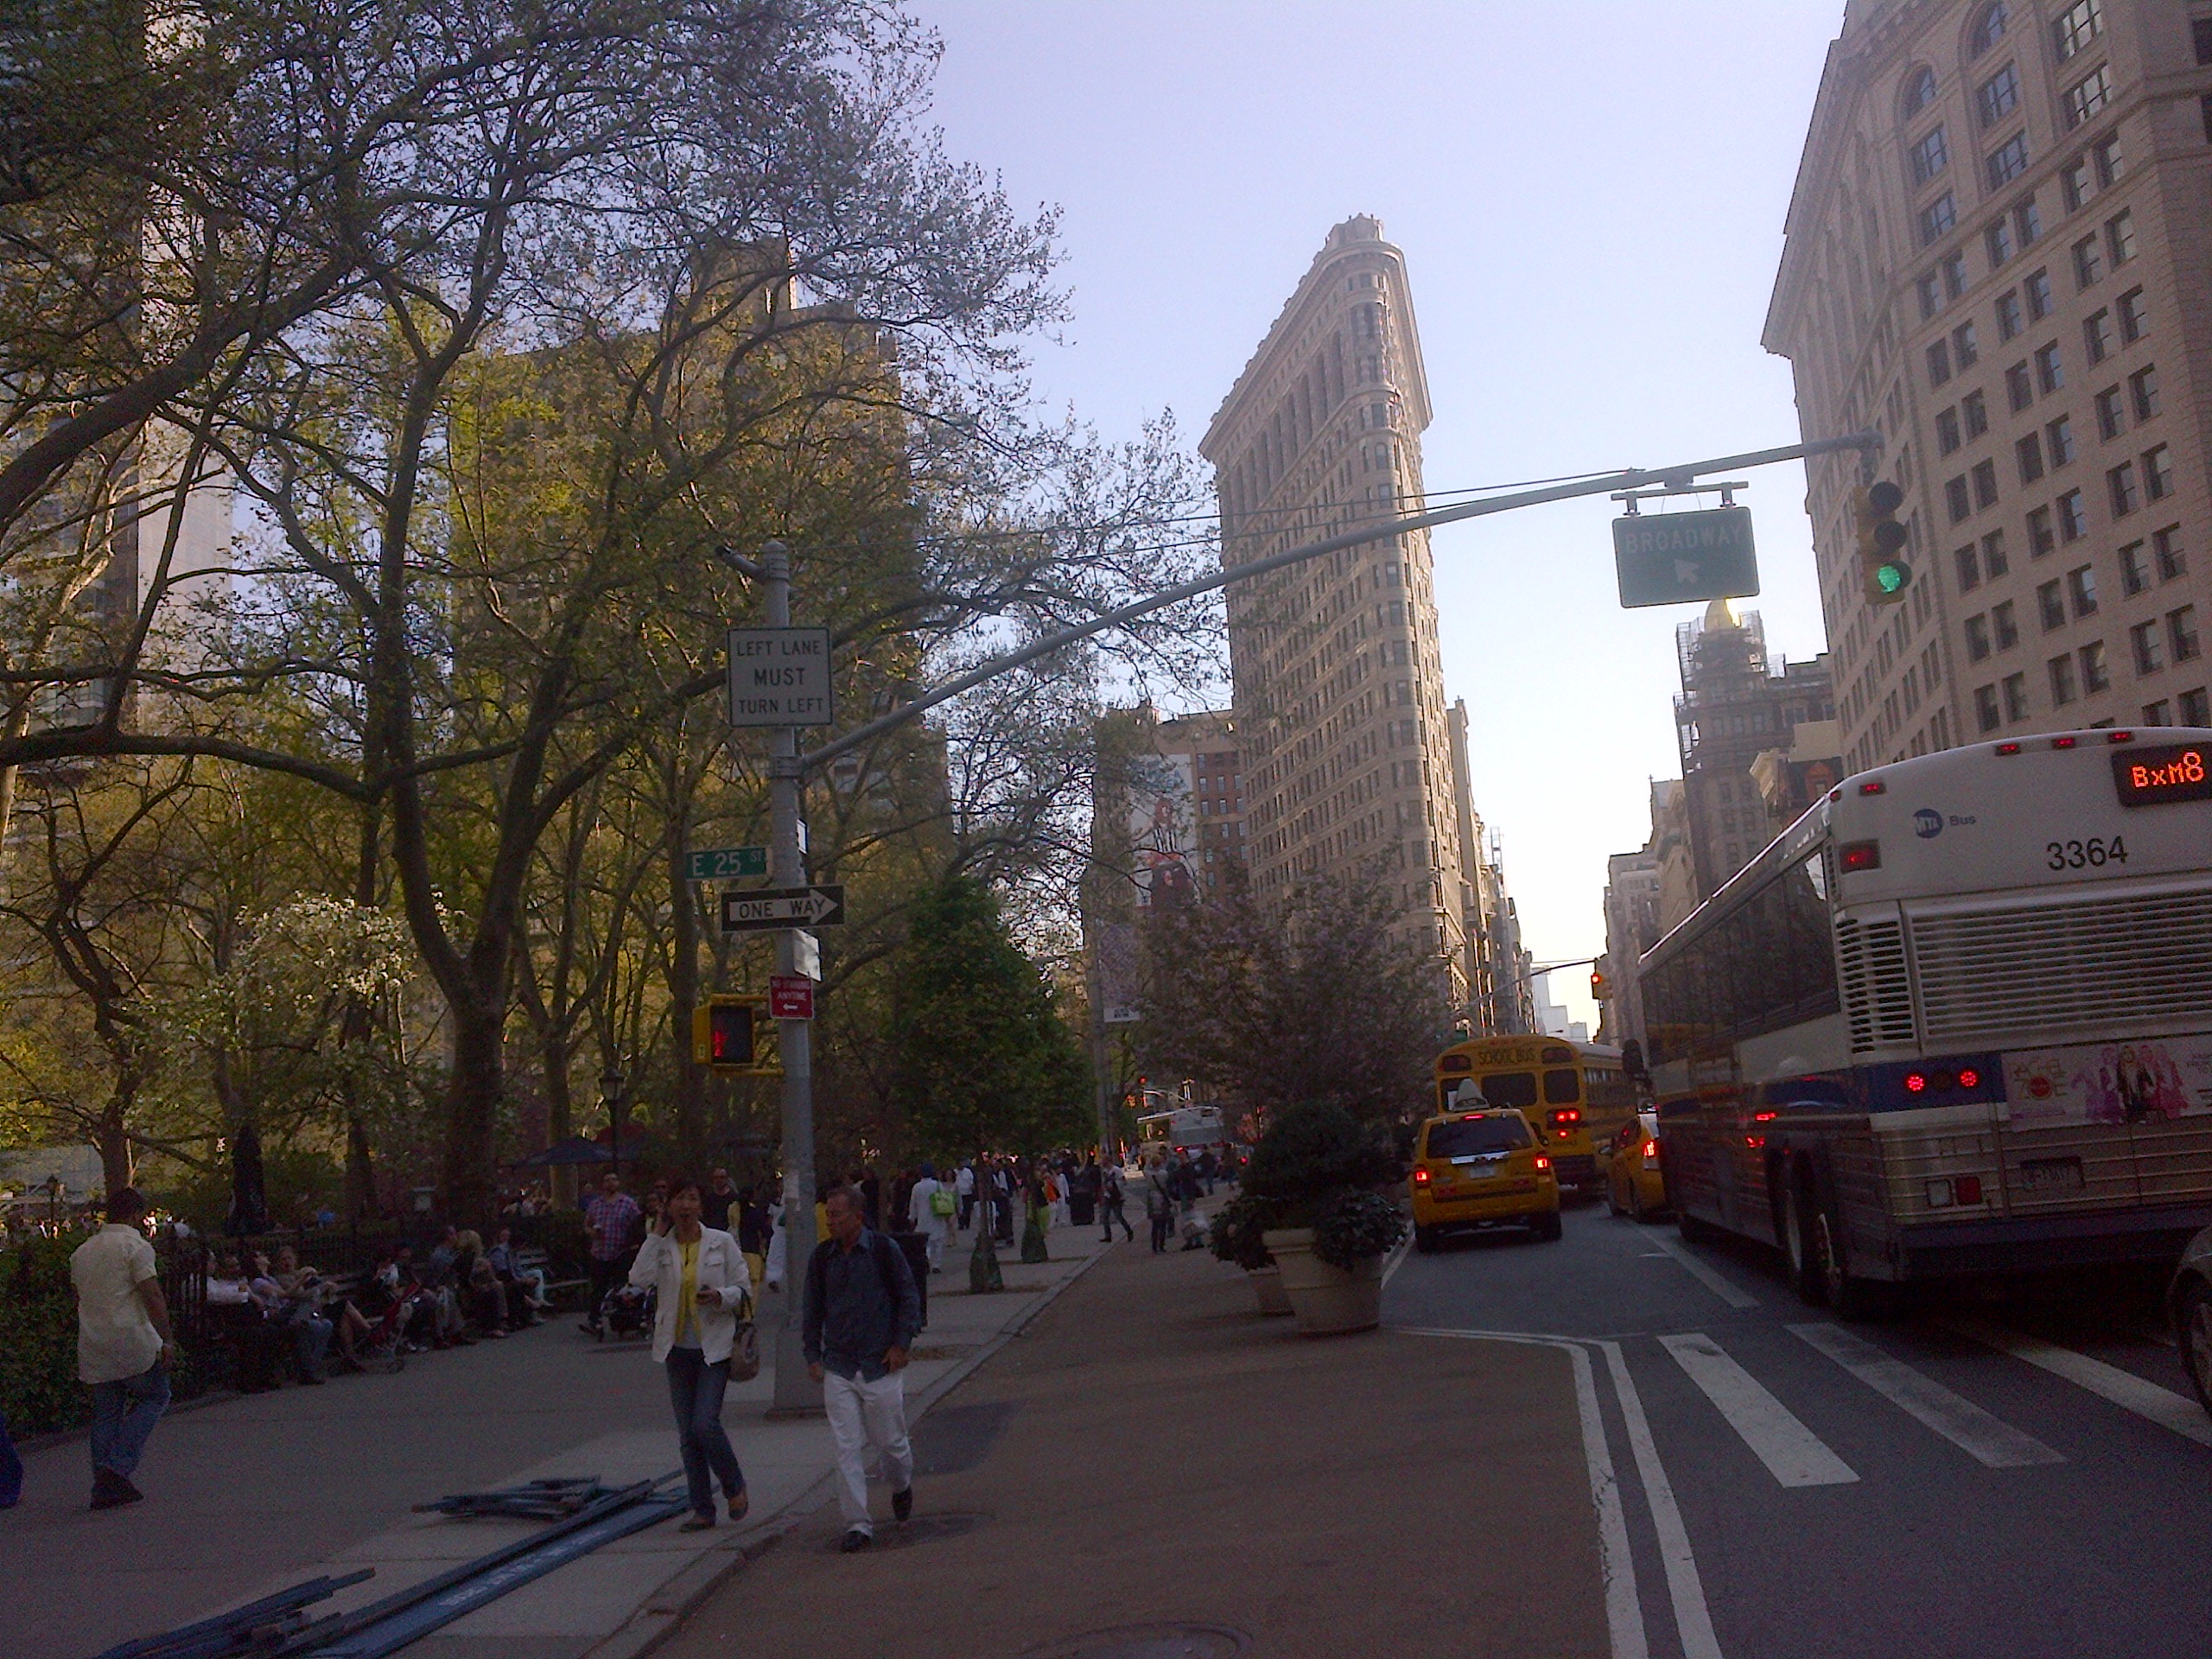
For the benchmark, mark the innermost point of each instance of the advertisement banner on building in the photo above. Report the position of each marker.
(1163, 831)
(2144, 1081)
(1116, 944)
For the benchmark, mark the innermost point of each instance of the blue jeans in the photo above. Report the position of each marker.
(695, 1389)
(124, 1415)
(11, 1468)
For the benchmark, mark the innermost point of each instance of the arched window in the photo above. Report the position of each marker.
(1919, 90)
(1989, 30)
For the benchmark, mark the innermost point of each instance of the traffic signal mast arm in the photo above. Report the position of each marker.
(1868, 443)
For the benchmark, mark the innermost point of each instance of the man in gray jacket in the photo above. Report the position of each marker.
(862, 1314)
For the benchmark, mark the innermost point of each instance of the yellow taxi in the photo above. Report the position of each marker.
(1483, 1168)
(1633, 1184)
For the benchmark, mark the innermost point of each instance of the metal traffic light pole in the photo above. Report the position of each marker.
(796, 1392)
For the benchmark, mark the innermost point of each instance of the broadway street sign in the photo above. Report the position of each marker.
(1673, 558)
(778, 907)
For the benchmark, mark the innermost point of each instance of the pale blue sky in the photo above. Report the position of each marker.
(1590, 196)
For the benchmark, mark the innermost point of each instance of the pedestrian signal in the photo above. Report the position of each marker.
(726, 1032)
(1883, 570)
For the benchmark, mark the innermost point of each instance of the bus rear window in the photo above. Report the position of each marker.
(1515, 1089)
(1470, 1136)
(1562, 1087)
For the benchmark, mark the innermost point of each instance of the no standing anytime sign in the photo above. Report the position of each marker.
(779, 677)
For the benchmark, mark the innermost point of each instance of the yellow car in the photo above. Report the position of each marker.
(1633, 1184)
(1483, 1168)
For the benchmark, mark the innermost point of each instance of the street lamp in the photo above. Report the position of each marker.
(610, 1087)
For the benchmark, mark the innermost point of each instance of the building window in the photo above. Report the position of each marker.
(2097, 336)
(1975, 409)
(2166, 544)
(2160, 712)
(2073, 517)
(2112, 420)
(2120, 237)
(1984, 708)
(1957, 500)
(2081, 586)
(1931, 289)
(2051, 606)
(2072, 29)
(2096, 677)
(1985, 484)
(2180, 630)
(1954, 267)
(1946, 431)
(2126, 496)
(2159, 473)
(2059, 436)
(2144, 385)
(2005, 626)
(2016, 696)
(1977, 638)
(1939, 362)
(2134, 316)
(1989, 30)
(2062, 681)
(2030, 450)
(1998, 96)
(1994, 562)
(2086, 98)
(2135, 569)
(1968, 568)
(2050, 373)
(2041, 536)
(2089, 262)
(2150, 652)
(2007, 162)
(1919, 90)
(2111, 161)
(1937, 218)
(2078, 180)
(1997, 240)
(1966, 348)
(2200, 36)
(2027, 220)
(2010, 320)
(1930, 156)
(2195, 707)
(2038, 288)
(2019, 387)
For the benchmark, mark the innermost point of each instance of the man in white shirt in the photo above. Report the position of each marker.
(125, 1343)
(929, 1217)
(965, 1180)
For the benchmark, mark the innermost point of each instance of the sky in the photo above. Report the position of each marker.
(1590, 198)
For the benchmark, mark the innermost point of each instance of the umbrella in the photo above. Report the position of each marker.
(574, 1150)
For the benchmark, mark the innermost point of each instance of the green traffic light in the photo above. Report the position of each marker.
(1892, 578)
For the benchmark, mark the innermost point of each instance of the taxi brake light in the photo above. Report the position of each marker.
(1468, 1117)
(1860, 855)
(1542, 1162)
(1421, 1177)
(1767, 1116)
(1651, 1148)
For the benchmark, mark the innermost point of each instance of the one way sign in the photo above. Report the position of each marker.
(1675, 558)
(777, 907)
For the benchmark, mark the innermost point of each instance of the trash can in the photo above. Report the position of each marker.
(917, 1250)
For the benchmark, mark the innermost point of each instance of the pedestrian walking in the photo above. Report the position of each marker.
(930, 1207)
(718, 1201)
(609, 1216)
(1112, 1195)
(125, 1343)
(965, 1182)
(699, 1284)
(862, 1312)
(1158, 1203)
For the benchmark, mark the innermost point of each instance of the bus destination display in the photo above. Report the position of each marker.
(2174, 772)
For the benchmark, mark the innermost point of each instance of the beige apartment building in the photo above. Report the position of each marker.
(1999, 255)
(1339, 693)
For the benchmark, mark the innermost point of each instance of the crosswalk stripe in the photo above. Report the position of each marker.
(2124, 1388)
(1989, 1441)
(1794, 1455)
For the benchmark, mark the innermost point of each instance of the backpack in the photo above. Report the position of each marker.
(942, 1202)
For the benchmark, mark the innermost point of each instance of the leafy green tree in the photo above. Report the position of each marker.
(984, 1061)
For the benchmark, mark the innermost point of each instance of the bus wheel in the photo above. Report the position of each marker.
(1848, 1295)
(1807, 1273)
(1694, 1231)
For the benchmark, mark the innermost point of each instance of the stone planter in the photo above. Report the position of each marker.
(1266, 1289)
(1328, 1300)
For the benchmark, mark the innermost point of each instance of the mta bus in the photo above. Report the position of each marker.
(1573, 1094)
(1957, 1019)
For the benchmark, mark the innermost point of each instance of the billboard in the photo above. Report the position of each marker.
(1164, 830)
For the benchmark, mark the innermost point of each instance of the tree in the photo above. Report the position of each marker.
(1323, 1000)
(983, 1060)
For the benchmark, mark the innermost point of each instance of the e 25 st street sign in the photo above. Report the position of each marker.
(1675, 558)
(725, 863)
(779, 677)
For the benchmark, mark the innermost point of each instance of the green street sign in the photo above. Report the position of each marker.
(1675, 558)
(726, 863)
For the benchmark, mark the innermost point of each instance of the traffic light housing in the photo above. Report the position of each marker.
(727, 1034)
(1883, 570)
(1600, 987)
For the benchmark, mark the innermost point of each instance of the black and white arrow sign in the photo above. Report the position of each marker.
(777, 907)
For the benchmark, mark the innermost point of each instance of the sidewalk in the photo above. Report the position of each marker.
(253, 1495)
(1151, 1452)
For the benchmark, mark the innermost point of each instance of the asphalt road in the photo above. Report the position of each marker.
(2019, 1474)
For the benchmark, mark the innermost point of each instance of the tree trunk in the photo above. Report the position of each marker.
(473, 1090)
(112, 1141)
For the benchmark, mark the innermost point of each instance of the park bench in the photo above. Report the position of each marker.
(559, 1292)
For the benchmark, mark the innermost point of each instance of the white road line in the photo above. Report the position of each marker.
(1794, 1455)
(2124, 1388)
(1988, 1440)
(1405, 1249)
(1624, 1612)
(1693, 1620)
(1734, 1295)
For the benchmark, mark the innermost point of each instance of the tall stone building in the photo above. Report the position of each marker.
(1339, 693)
(1998, 254)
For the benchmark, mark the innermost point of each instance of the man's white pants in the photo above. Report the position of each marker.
(863, 1414)
(934, 1236)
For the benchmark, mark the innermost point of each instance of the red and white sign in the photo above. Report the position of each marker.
(790, 996)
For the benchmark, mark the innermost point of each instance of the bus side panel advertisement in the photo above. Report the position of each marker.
(2142, 1082)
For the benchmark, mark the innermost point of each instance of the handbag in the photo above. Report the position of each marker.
(745, 1345)
(941, 1202)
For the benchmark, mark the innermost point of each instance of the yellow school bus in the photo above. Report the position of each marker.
(1574, 1094)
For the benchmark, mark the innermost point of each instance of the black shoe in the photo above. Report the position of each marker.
(855, 1542)
(902, 1504)
(697, 1523)
(111, 1490)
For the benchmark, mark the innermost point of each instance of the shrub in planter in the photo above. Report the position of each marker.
(1355, 1227)
(1311, 1153)
(1238, 1233)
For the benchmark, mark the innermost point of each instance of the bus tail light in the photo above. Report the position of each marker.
(1967, 1189)
(2120, 737)
(1944, 1192)
(2008, 749)
(1915, 1083)
(1969, 1078)
(1566, 1118)
(2063, 742)
(1856, 855)
(1873, 786)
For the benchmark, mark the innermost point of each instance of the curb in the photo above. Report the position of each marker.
(664, 1611)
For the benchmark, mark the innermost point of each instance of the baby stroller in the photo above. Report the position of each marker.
(626, 1312)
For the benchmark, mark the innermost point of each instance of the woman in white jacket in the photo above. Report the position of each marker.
(699, 1280)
